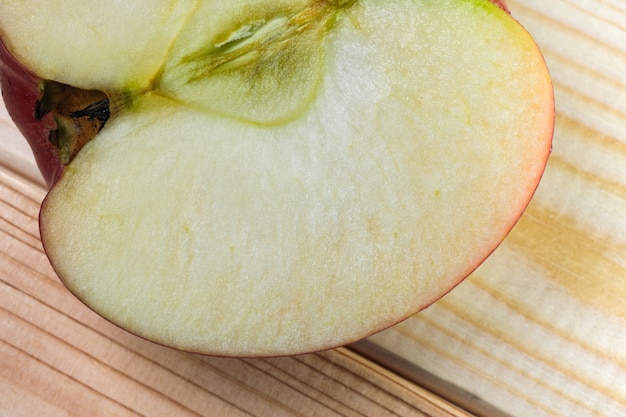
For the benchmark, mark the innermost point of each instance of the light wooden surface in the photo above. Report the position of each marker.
(538, 330)
(57, 358)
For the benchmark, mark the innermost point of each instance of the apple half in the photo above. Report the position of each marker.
(261, 178)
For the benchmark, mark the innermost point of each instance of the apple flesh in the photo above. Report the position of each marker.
(275, 178)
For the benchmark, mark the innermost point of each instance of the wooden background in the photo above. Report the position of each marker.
(538, 330)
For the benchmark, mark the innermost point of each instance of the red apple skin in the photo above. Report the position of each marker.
(501, 4)
(21, 89)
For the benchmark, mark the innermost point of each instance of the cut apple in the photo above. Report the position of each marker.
(277, 177)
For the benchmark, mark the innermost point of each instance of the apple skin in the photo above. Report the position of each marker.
(501, 4)
(56, 119)
(22, 91)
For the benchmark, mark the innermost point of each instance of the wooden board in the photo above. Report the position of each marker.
(538, 330)
(57, 358)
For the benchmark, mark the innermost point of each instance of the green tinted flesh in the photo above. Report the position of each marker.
(265, 69)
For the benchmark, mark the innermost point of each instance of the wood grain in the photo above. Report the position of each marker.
(538, 330)
(57, 358)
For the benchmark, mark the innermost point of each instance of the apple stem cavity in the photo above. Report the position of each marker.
(57, 119)
(79, 115)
